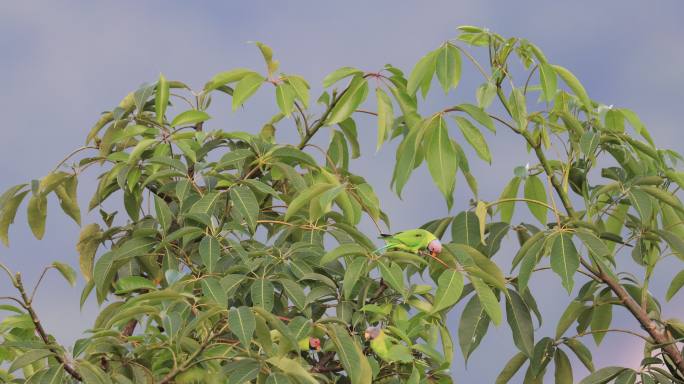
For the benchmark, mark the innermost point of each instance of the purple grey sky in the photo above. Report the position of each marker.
(62, 63)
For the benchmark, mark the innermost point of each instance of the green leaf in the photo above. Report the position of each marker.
(189, 117)
(350, 99)
(564, 259)
(246, 88)
(481, 213)
(205, 204)
(267, 52)
(511, 368)
(285, 96)
(593, 243)
(277, 378)
(603, 375)
(133, 283)
(210, 253)
(37, 212)
(304, 198)
(518, 108)
(479, 115)
(246, 371)
(582, 353)
(300, 88)
(262, 294)
(520, 321)
(227, 77)
(352, 274)
(466, 229)
(422, 71)
(474, 138)
(614, 121)
(574, 85)
(485, 94)
(392, 275)
(342, 250)
(487, 299)
(510, 191)
(589, 142)
(385, 116)
(294, 292)
(242, 323)
(161, 100)
(535, 190)
(164, 215)
(212, 289)
(675, 242)
(66, 271)
(563, 368)
(548, 81)
(448, 67)
(351, 355)
(340, 74)
(246, 204)
(574, 309)
(441, 157)
(91, 373)
(293, 368)
(602, 315)
(449, 288)
(642, 202)
(472, 326)
(29, 357)
(676, 284)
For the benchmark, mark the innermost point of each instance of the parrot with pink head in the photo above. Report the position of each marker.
(413, 240)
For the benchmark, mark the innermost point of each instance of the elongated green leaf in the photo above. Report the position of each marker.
(548, 81)
(601, 318)
(593, 243)
(563, 368)
(465, 229)
(206, 204)
(520, 321)
(29, 357)
(385, 116)
(300, 88)
(285, 96)
(441, 157)
(448, 67)
(228, 77)
(246, 88)
(449, 288)
(210, 252)
(293, 368)
(422, 71)
(91, 373)
(564, 259)
(603, 375)
(574, 309)
(589, 142)
(642, 203)
(510, 191)
(534, 190)
(352, 97)
(487, 299)
(262, 292)
(37, 213)
(393, 276)
(277, 378)
(246, 204)
(340, 74)
(352, 274)
(133, 283)
(582, 352)
(511, 368)
(518, 108)
(164, 215)
(66, 271)
(190, 117)
(7, 213)
(242, 323)
(304, 198)
(479, 115)
(294, 292)
(676, 284)
(351, 355)
(212, 289)
(574, 85)
(474, 138)
(472, 326)
(246, 371)
(161, 100)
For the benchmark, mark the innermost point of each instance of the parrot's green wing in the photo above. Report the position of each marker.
(381, 346)
(389, 349)
(412, 240)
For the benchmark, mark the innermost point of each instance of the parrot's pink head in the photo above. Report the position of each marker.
(371, 333)
(435, 247)
(315, 343)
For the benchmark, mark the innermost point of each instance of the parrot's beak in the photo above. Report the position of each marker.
(433, 254)
(366, 335)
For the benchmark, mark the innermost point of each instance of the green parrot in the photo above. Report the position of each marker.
(305, 343)
(387, 347)
(413, 240)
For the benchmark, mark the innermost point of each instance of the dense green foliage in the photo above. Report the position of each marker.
(236, 248)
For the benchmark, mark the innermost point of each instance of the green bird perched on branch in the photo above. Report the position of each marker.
(413, 240)
(387, 347)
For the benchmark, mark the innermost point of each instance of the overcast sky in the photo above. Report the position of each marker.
(62, 63)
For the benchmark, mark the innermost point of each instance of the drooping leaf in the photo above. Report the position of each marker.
(392, 275)
(352, 274)
(210, 252)
(603, 375)
(161, 100)
(563, 368)
(262, 291)
(487, 299)
(535, 190)
(449, 288)
(285, 96)
(511, 368)
(474, 138)
(7, 213)
(247, 86)
(36, 214)
(385, 116)
(423, 70)
(448, 67)
(574, 85)
(340, 74)
(472, 326)
(246, 204)
(66, 271)
(352, 97)
(520, 321)
(351, 355)
(675, 285)
(548, 81)
(441, 157)
(242, 323)
(164, 215)
(564, 259)
(510, 191)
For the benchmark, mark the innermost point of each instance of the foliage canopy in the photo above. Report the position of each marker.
(237, 250)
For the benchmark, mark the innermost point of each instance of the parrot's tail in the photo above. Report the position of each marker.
(384, 247)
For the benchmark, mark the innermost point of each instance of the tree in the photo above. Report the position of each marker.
(239, 254)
